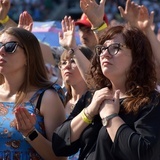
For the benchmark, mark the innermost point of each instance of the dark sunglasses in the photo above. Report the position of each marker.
(10, 47)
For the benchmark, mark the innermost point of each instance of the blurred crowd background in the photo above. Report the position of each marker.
(49, 10)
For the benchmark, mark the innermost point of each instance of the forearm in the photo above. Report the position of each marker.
(82, 63)
(9, 23)
(77, 127)
(44, 148)
(155, 44)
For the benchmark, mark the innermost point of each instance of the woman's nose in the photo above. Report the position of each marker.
(2, 51)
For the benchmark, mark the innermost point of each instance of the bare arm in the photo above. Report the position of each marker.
(138, 16)
(95, 14)
(53, 112)
(4, 9)
(67, 40)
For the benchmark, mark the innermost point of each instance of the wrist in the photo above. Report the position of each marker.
(73, 50)
(85, 117)
(5, 20)
(31, 135)
(99, 28)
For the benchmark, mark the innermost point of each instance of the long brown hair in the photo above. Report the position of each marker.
(35, 74)
(141, 78)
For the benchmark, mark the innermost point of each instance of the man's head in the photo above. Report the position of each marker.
(87, 36)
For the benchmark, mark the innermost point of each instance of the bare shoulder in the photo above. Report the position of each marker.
(51, 102)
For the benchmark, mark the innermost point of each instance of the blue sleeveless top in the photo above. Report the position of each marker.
(12, 144)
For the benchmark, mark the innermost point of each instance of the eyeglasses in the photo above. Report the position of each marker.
(112, 49)
(10, 47)
(64, 63)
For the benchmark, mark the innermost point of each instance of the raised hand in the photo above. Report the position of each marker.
(130, 13)
(67, 36)
(4, 8)
(25, 21)
(94, 11)
(145, 20)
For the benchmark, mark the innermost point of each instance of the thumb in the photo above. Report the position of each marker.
(121, 10)
(152, 17)
(116, 96)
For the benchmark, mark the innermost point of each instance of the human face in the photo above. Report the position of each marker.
(12, 57)
(115, 58)
(70, 72)
(87, 37)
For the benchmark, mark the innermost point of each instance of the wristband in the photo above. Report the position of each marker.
(87, 114)
(100, 28)
(72, 50)
(85, 118)
(5, 20)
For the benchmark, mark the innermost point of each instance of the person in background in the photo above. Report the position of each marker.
(143, 21)
(31, 108)
(87, 37)
(74, 83)
(123, 112)
(26, 22)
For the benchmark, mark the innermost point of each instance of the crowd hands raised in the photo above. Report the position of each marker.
(112, 102)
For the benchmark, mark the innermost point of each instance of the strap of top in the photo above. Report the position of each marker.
(40, 93)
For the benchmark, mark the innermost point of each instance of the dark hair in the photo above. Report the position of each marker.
(35, 74)
(141, 77)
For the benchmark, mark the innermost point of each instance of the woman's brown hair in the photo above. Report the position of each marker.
(141, 78)
(35, 74)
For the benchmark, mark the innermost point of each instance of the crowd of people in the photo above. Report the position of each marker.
(103, 100)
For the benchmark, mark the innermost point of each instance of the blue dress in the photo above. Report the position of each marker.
(12, 144)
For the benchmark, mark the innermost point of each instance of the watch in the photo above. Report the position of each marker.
(105, 120)
(31, 136)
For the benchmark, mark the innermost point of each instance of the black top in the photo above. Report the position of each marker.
(137, 139)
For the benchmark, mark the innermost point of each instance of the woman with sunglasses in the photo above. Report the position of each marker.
(30, 108)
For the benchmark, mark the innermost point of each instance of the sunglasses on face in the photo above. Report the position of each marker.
(10, 47)
(112, 49)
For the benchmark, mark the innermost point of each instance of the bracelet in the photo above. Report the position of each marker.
(87, 114)
(72, 50)
(5, 20)
(100, 28)
(85, 118)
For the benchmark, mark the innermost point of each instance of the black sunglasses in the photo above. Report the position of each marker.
(10, 47)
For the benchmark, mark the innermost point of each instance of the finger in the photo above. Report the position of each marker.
(121, 10)
(63, 26)
(60, 35)
(116, 96)
(103, 2)
(152, 17)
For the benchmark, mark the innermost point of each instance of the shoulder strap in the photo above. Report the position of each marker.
(57, 88)
(39, 100)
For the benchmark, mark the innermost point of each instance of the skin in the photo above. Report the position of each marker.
(13, 67)
(72, 77)
(87, 37)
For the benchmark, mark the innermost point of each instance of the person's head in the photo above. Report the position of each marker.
(69, 70)
(87, 37)
(124, 56)
(21, 54)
